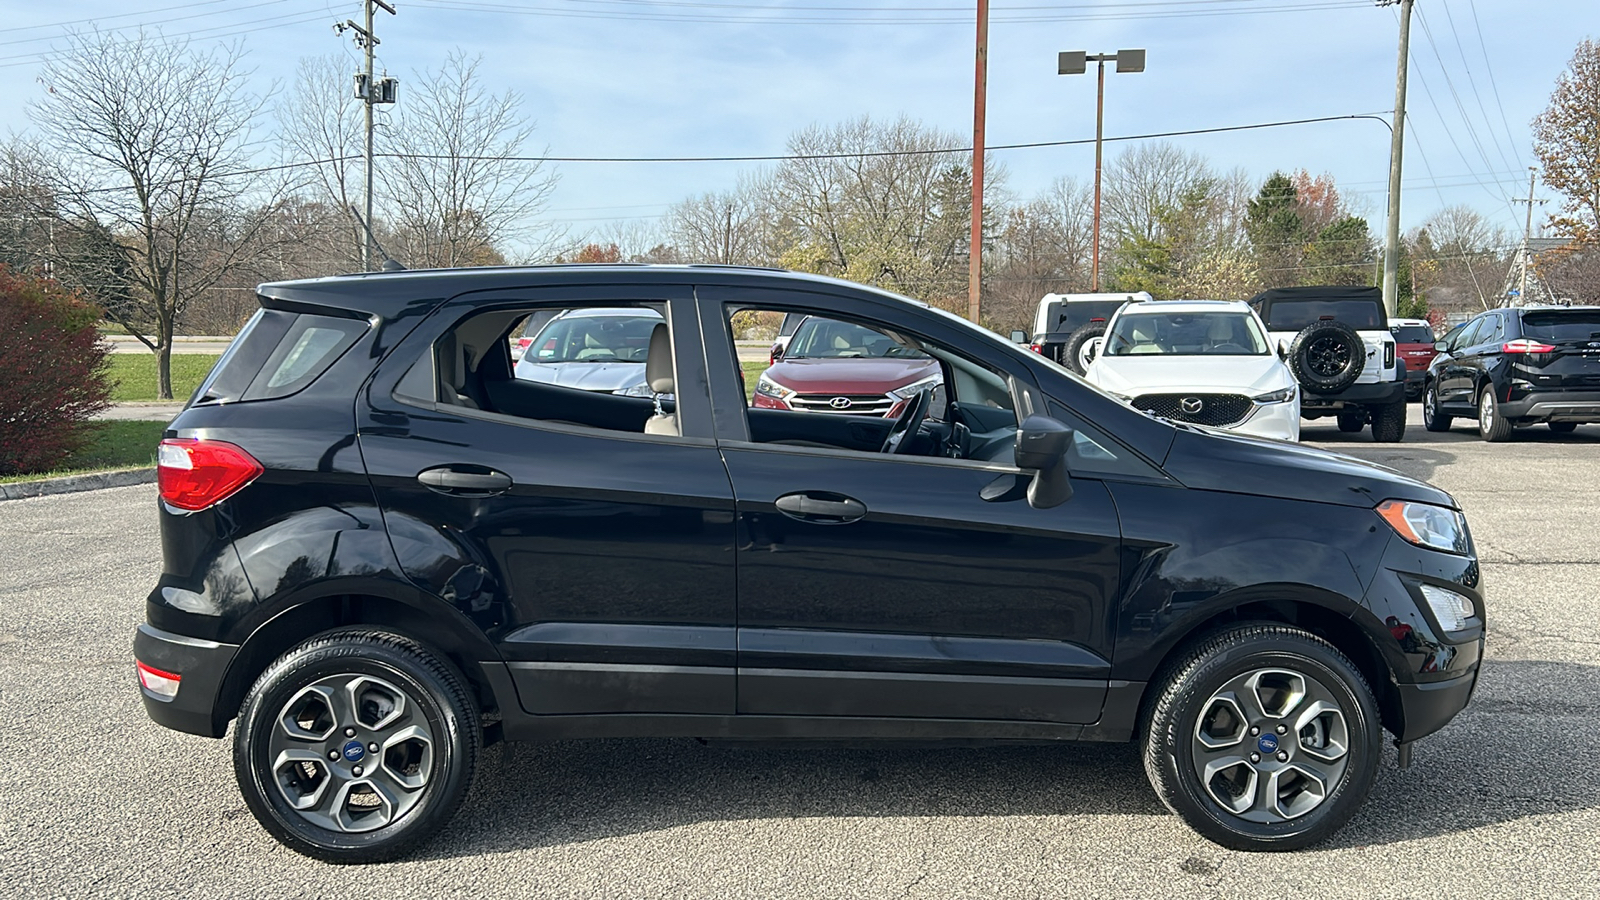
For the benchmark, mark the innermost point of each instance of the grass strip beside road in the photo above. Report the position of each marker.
(133, 375)
(752, 371)
(108, 446)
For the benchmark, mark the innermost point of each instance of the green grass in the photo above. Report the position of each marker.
(133, 375)
(110, 445)
(752, 371)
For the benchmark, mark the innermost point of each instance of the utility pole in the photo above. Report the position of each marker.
(980, 85)
(371, 93)
(1527, 237)
(1391, 249)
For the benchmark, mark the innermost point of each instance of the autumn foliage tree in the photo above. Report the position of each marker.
(55, 369)
(1567, 142)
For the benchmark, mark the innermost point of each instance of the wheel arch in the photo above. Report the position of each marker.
(1329, 618)
(312, 615)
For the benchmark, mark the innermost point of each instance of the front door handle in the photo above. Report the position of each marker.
(821, 507)
(463, 482)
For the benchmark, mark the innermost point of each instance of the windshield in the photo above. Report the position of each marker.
(827, 339)
(616, 338)
(1565, 325)
(1185, 334)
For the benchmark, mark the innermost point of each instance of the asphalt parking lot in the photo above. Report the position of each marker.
(1505, 802)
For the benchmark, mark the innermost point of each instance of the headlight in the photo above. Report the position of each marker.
(1426, 525)
(1283, 396)
(1123, 397)
(765, 385)
(917, 387)
(637, 390)
(1453, 611)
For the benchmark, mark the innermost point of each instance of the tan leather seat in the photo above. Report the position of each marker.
(658, 374)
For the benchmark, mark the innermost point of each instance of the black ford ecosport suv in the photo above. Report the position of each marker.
(382, 551)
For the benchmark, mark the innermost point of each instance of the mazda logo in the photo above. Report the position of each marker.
(1191, 405)
(840, 403)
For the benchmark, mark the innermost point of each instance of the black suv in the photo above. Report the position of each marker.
(1509, 368)
(383, 551)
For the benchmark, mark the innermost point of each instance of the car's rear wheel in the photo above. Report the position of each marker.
(1389, 422)
(1263, 737)
(1492, 426)
(1352, 422)
(356, 746)
(1432, 418)
(1563, 427)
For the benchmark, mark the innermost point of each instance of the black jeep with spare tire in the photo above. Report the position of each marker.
(1337, 342)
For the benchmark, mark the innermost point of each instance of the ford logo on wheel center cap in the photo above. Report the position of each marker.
(1268, 743)
(353, 751)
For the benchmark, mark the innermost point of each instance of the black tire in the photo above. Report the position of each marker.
(1492, 426)
(1389, 422)
(1327, 357)
(1433, 418)
(1563, 427)
(431, 736)
(1072, 355)
(1173, 755)
(1352, 422)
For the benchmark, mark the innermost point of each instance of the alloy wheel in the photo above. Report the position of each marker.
(1088, 350)
(1271, 745)
(1486, 412)
(351, 753)
(1328, 356)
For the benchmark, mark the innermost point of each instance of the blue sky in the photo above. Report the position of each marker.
(736, 77)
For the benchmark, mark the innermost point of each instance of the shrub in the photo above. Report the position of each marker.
(52, 372)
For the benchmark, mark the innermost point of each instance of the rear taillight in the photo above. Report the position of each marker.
(1388, 354)
(1037, 348)
(523, 343)
(194, 474)
(1523, 345)
(164, 685)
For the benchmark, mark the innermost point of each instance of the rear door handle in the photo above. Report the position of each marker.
(461, 483)
(821, 507)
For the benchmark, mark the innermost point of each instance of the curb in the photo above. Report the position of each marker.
(73, 483)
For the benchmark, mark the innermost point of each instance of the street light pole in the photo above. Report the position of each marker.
(1075, 62)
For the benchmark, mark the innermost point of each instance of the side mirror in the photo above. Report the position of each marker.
(1019, 337)
(1042, 445)
(1441, 346)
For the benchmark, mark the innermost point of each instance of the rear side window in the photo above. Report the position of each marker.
(1412, 334)
(1562, 325)
(278, 353)
(1075, 315)
(1293, 315)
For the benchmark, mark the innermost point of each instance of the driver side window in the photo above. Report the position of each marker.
(865, 387)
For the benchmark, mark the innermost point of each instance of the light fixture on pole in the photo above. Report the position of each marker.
(1076, 62)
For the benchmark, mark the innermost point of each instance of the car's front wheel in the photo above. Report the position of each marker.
(1433, 418)
(1263, 737)
(356, 745)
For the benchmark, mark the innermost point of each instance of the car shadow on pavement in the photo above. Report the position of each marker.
(1482, 769)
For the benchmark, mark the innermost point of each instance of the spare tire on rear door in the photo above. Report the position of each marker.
(1083, 346)
(1327, 357)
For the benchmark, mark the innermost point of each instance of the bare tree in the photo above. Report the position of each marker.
(1042, 246)
(1462, 263)
(457, 192)
(321, 120)
(1144, 185)
(28, 214)
(1567, 142)
(152, 140)
(731, 227)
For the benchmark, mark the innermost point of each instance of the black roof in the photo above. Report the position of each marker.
(1317, 292)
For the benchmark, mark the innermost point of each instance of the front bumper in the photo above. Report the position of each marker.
(1271, 420)
(201, 665)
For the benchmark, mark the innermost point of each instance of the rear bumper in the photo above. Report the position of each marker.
(1377, 394)
(201, 665)
(1554, 406)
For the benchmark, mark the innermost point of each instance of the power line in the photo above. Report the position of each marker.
(1489, 67)
(211, 32)
(1477, 95)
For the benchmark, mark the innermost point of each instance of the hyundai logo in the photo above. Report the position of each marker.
(840, 403)
(1191, 405)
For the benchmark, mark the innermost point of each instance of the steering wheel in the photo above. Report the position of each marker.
(907, 424)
